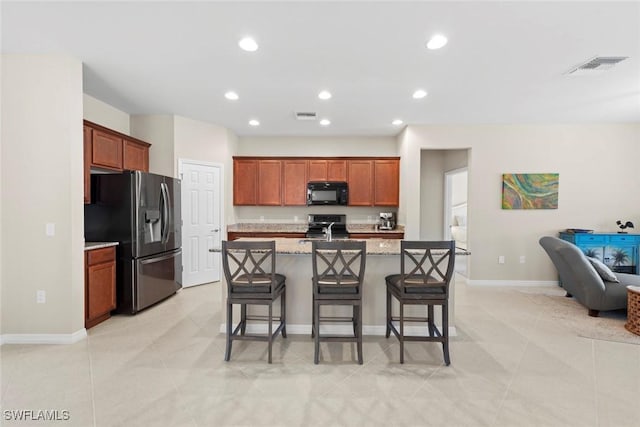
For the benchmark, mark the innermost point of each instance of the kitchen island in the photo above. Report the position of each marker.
(293, 259)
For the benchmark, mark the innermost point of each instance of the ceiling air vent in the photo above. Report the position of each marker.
(306, 116)
(596, 65)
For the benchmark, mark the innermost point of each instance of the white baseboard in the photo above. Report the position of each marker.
(376, 330)
(43, 338)
(513, 283)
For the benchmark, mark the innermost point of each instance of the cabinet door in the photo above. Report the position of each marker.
(101, 289)
(295, 182)
(135, 156)
(337, 170)
(360, 181)
(387, 182)
(317, 170)
(87, 163)
(245, 179)
(270, 182)
(106, 150)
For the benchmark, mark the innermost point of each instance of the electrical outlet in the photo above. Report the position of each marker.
(50, 229)
(261, 218)
(523, 259)
(295, 218)
(501, 259)
(41, 297)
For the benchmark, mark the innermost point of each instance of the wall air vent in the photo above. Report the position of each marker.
(306, 116)
(596, 65)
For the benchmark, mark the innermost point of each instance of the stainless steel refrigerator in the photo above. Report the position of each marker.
(142, 212)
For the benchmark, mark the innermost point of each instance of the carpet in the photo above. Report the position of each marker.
(609, 326)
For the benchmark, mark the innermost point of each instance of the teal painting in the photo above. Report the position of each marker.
(530, 190)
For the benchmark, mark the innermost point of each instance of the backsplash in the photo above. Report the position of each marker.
(298, 214)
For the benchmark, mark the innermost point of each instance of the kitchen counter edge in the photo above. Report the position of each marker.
(89, 246)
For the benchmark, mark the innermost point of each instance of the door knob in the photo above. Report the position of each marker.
(215, 230)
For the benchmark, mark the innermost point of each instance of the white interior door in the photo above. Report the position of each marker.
(201, 217)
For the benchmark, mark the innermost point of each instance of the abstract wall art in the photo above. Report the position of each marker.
(530, 190)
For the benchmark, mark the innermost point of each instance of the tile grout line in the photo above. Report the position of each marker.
(93, 394)
(515, 372)
(595, 380)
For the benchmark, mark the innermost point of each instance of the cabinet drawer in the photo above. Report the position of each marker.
(97, 256)
(582, 239)
(622, 239)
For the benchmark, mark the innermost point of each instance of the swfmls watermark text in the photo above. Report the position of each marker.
(36, 415)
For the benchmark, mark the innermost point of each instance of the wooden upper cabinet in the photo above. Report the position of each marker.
(327, 170)
(317, 170)
(336, 170)
(245, 180)
(294, 182)
(282, 181)
(360, 181)
(386, 182)
(135, 156)
(106, 150)
(269, 182)
(87, 163)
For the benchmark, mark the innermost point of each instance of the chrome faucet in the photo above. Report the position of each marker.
(327, 231)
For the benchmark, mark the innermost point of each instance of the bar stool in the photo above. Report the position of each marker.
(338, 275)
(426, 269)
(249, 269)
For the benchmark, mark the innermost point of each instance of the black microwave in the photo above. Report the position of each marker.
(327, 193)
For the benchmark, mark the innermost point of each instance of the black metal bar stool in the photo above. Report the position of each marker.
(426, 269)
(249, 269)
(338, 276)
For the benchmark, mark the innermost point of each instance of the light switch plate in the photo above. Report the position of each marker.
(50, 229)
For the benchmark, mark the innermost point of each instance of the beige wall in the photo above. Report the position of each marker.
(596, 164)
(158, 131)
(104, 114)
(42, 182)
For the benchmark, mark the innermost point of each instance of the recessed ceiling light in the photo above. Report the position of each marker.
(324, 95)
(231, 96)
(397, 122)
(436, 42)
(254, 122)
(419, 94)
(248, 44)
(325, 122)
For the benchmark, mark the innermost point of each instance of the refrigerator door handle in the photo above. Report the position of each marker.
(166, 220)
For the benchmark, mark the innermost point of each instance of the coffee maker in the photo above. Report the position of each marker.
(387, 221)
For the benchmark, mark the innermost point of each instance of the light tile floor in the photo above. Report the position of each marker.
(511, 366)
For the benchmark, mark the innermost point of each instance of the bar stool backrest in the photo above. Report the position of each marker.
(426, 266)
(338, 265)
(249, 266)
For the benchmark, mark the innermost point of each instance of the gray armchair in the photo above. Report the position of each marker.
(583, 282)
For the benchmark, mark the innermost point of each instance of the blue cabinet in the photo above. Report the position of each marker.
(618, 251)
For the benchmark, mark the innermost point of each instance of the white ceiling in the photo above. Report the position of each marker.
(504, 63)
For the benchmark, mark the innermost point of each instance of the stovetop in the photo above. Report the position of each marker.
(319, 222)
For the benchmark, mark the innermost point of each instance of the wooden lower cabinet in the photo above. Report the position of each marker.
(398, 236)
(99, 285)
(233, 235)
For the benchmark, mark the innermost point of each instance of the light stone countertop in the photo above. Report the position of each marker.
(292, 246)
(88, 246)
(267, 227)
